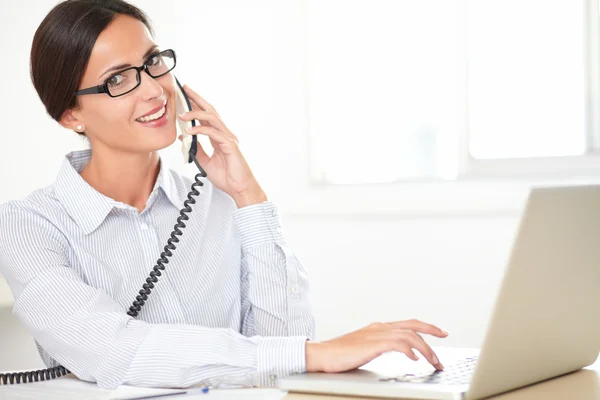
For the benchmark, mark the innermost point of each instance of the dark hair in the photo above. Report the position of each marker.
(62, 46)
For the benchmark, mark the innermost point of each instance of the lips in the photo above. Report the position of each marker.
(154, 110)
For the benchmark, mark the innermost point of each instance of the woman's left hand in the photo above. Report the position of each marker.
(226, 168)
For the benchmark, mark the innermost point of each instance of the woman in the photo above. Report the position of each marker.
(232, 306)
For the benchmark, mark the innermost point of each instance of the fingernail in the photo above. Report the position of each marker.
(188, 129)
(435, 360)
(444, 332)
(181, 115)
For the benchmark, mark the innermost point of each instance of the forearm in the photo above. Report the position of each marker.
(92, 337)
(186, 355)
(275, 287)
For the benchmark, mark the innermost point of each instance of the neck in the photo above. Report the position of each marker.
(125, 177)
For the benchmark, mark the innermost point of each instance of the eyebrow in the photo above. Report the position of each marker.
(122, 66)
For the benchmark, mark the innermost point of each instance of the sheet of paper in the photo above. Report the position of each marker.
(71, 388)
(67, 388)
(130, 393)
(242, 394)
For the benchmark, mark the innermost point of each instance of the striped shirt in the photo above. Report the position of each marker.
(231, 307)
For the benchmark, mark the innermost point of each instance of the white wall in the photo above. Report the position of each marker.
(440, 268)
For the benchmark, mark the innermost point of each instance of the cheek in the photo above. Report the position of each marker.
(113, 113)
(168, 85)
(168, 82)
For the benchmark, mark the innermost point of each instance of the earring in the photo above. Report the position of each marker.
(79, 127)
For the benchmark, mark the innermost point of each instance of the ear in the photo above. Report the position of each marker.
(71, 120)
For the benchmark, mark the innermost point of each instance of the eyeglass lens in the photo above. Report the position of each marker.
(125, 81)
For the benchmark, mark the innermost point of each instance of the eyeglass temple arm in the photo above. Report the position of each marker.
(92, 90)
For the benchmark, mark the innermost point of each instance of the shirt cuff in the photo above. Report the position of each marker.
(258, 224)
(280, 356)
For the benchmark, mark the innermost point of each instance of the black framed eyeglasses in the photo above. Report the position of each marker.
(126, 80)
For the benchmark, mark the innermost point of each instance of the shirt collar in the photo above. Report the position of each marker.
(86, 205)
(167, 184)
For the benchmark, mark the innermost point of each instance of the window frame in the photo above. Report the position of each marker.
(497, 187)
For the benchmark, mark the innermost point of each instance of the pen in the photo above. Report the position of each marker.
(201, 390)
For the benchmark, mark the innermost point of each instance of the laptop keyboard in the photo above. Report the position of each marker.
(456, 374)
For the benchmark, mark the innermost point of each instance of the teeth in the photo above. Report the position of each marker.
(154, 116)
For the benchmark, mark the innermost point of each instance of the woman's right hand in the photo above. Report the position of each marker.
(357, 348)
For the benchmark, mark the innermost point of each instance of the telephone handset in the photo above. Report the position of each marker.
(189, 149)
(189, 142)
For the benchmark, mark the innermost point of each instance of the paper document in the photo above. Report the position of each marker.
(241, 394)
(71, 388)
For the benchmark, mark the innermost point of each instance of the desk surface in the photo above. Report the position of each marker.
(581, 385)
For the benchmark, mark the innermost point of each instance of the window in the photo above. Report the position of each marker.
(418, 90)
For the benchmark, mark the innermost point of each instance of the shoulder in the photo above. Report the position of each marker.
(29, 237)
(31, 218)
(39, 205)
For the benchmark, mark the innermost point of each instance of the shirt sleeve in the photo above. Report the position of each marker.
(275, 286)
(86, 331)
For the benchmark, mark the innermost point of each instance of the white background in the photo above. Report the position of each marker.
(247, 59)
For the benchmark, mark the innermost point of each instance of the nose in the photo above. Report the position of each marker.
(149, 87)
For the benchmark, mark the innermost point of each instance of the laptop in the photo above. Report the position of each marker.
(545, 321)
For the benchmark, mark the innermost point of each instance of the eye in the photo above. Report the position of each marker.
(154, 60)
(115, 80)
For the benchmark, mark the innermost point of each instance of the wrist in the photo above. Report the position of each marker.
(312, 357)
(250, 197)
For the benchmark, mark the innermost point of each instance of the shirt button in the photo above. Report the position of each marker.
(274, 213)
(294, 289)
(144, 226)
(279, 230)
(273, 377)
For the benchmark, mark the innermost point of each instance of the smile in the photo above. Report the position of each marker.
(154, 116)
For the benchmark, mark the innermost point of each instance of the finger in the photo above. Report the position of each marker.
(435, 360)
(214, 134)
(200, 115)
(419, 326)
(201, 155)
(211, 118)
(196, 98)
(416, 341)
(406, 349)
(213, 143)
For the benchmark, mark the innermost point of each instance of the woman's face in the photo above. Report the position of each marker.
(112, 122)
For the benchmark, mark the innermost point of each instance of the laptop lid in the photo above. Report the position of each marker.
(546, 319)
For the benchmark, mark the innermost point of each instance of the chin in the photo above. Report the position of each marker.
(158, 142)
(169, 138)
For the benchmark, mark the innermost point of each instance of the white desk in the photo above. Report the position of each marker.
(6, 298)
(580, 385)
(70, 388)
